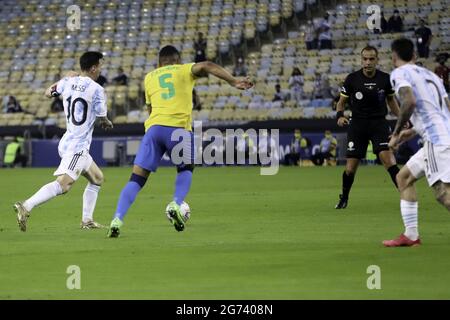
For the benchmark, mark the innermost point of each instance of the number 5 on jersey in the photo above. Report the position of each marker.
(163, 82)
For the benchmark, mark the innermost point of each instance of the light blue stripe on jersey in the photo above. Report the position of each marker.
(430, 119)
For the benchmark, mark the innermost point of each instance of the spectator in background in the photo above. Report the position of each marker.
(327, 152)
(12, 105)
(121, 78)
(299, 151)
(196, 104)
(240, 69)
(310, 36)
(325, 33)
(57, 104)
(13, 154)
(245, 146)
(383, 25)
(442, 70)
(296, 85)
(395, 23)
(200, 48)
(423, 39)
(101, 80)
(279, 94)
(336, 94)
(322, 89)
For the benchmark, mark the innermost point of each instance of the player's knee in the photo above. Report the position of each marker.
(140, 180)
(443, 196)
(65, 187)
(350, 172)
(351, 167)
(98, 178)
(65, 183)
(185, 167)
(403, 180)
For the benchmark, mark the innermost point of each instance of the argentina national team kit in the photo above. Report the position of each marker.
(84, 100)
(431, 120)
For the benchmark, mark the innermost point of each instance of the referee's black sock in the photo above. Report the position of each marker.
(347, 181)
(393, 170)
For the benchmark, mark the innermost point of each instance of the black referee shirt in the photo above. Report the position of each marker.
(367, 95)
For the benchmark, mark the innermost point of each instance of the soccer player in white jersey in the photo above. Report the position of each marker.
(423, 100)
(84, 102)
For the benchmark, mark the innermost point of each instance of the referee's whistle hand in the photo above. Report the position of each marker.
(342, 121)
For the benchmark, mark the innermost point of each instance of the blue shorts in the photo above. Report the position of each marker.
(160, 139)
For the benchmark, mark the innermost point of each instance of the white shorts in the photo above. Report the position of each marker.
(74, 164)
(431, 161)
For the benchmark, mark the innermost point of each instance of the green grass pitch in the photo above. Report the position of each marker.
(249, 237)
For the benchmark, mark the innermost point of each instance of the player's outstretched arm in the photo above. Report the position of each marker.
(341, 119)
(51, 91)
(202, 69)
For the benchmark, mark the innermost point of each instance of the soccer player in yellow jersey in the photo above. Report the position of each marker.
(168, 93)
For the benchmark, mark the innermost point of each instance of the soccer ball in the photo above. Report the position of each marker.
(185, 212)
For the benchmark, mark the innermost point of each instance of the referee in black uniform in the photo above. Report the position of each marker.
(368, 90)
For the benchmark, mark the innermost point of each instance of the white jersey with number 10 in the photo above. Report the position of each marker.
(84, 100)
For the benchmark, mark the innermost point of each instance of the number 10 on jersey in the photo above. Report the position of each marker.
(71, 110)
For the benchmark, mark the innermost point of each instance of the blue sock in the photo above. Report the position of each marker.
(126, 199)
(182, 186)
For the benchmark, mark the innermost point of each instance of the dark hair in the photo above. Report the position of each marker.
(296, 71)
(89, 59)
(404, 48)
(168, 52)
(370, 48)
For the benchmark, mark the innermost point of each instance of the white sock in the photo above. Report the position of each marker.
(89, 200)
(47, 192)
(409, 214)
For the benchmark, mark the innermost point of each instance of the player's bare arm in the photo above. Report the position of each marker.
(51, 91)
(405, 135)
(447, 102)
(202, 69)
(341, 119)
(407, 106)
(105, 123)
(149, 109)
(393, 105)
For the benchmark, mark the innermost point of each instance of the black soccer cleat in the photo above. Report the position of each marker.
(342, 204)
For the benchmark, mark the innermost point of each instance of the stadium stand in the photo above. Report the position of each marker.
(37, 47)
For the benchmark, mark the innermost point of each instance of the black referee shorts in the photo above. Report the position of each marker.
(360, 131)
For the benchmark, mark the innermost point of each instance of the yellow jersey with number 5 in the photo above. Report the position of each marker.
(169, 91)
